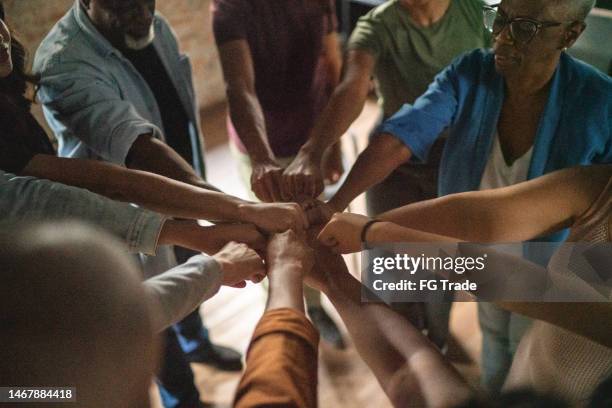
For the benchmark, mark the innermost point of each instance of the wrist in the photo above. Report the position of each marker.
(311, 153)
(376, 232)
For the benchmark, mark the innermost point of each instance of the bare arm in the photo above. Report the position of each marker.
(151, 154)
(409, 368)
(162, 194)
(512, 214)
(248, 118)
(383, 155)
(343, 108)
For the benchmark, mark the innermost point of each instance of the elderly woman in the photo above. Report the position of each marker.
(521, 110)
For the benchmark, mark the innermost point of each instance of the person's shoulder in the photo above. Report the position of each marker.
(471, 6)
(474, 61)
(62, 44)
(164, 30)
(386, 12)
(587, 79)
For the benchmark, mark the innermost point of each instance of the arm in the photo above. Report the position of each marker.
(162, 194)
(512, 214)
(409, 368)
(343, 108)
(177, 292)
(248, 119)
(80, 99)
(29, 199)
(383, 155)
(152, 155)
(282, 357)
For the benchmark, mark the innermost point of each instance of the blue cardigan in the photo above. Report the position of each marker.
(467, 97)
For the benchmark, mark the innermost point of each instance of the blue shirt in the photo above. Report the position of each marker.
(94, 99)
(467, 98)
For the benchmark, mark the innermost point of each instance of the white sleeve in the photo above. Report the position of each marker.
(176, 293)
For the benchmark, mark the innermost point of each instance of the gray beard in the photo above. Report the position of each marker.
(137, 44)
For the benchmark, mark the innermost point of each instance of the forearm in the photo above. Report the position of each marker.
(248, 120)
(176, 293)
(154, 156)
(343, 108)
(384, 232)
(384, 154)
(286, 288)
(406, 364)
(149, 190)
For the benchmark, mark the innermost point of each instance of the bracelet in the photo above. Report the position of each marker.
(366, 227)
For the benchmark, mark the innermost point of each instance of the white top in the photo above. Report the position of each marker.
(499, 174)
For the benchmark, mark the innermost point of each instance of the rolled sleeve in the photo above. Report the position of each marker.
(27, 199)
(80, 103)
(419, 125)
(176, 293)
(281, 363)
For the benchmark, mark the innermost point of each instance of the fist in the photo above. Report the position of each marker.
(239, 263)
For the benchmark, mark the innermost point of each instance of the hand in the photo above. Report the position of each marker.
(333, 168)
(302, 177)
(219, 235)
(277, 217)
(286, 249)
(266, 181)
(239, 263)
(317, 211)
(343, 233)
(328, 266)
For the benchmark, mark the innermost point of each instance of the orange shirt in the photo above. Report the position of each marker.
(281, 364)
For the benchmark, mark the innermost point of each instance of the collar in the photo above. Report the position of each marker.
(100, 43)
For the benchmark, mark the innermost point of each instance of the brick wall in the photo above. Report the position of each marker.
(32, 19)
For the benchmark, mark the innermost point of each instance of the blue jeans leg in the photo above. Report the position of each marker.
(191, 332)
(175, 380)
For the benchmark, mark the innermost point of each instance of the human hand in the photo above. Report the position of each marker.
(342, 234)
(302, 177)
(266, 181)
(332, 166)
(289, 248)
(239, 263)
(328, 266)
(317, 211)
(274, 217)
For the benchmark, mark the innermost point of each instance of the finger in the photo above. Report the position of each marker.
(260, 191)
(299, 185)
(309, 186)
(303, 218)
(239, 285)
(268, 182)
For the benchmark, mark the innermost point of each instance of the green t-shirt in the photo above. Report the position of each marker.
(408, 56)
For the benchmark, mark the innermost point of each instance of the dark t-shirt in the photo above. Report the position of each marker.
(21, 137)
(174, 117)
(285, 38)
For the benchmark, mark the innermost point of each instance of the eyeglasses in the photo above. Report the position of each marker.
(522, 30)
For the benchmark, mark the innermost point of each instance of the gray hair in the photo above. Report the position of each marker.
(576, 9)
